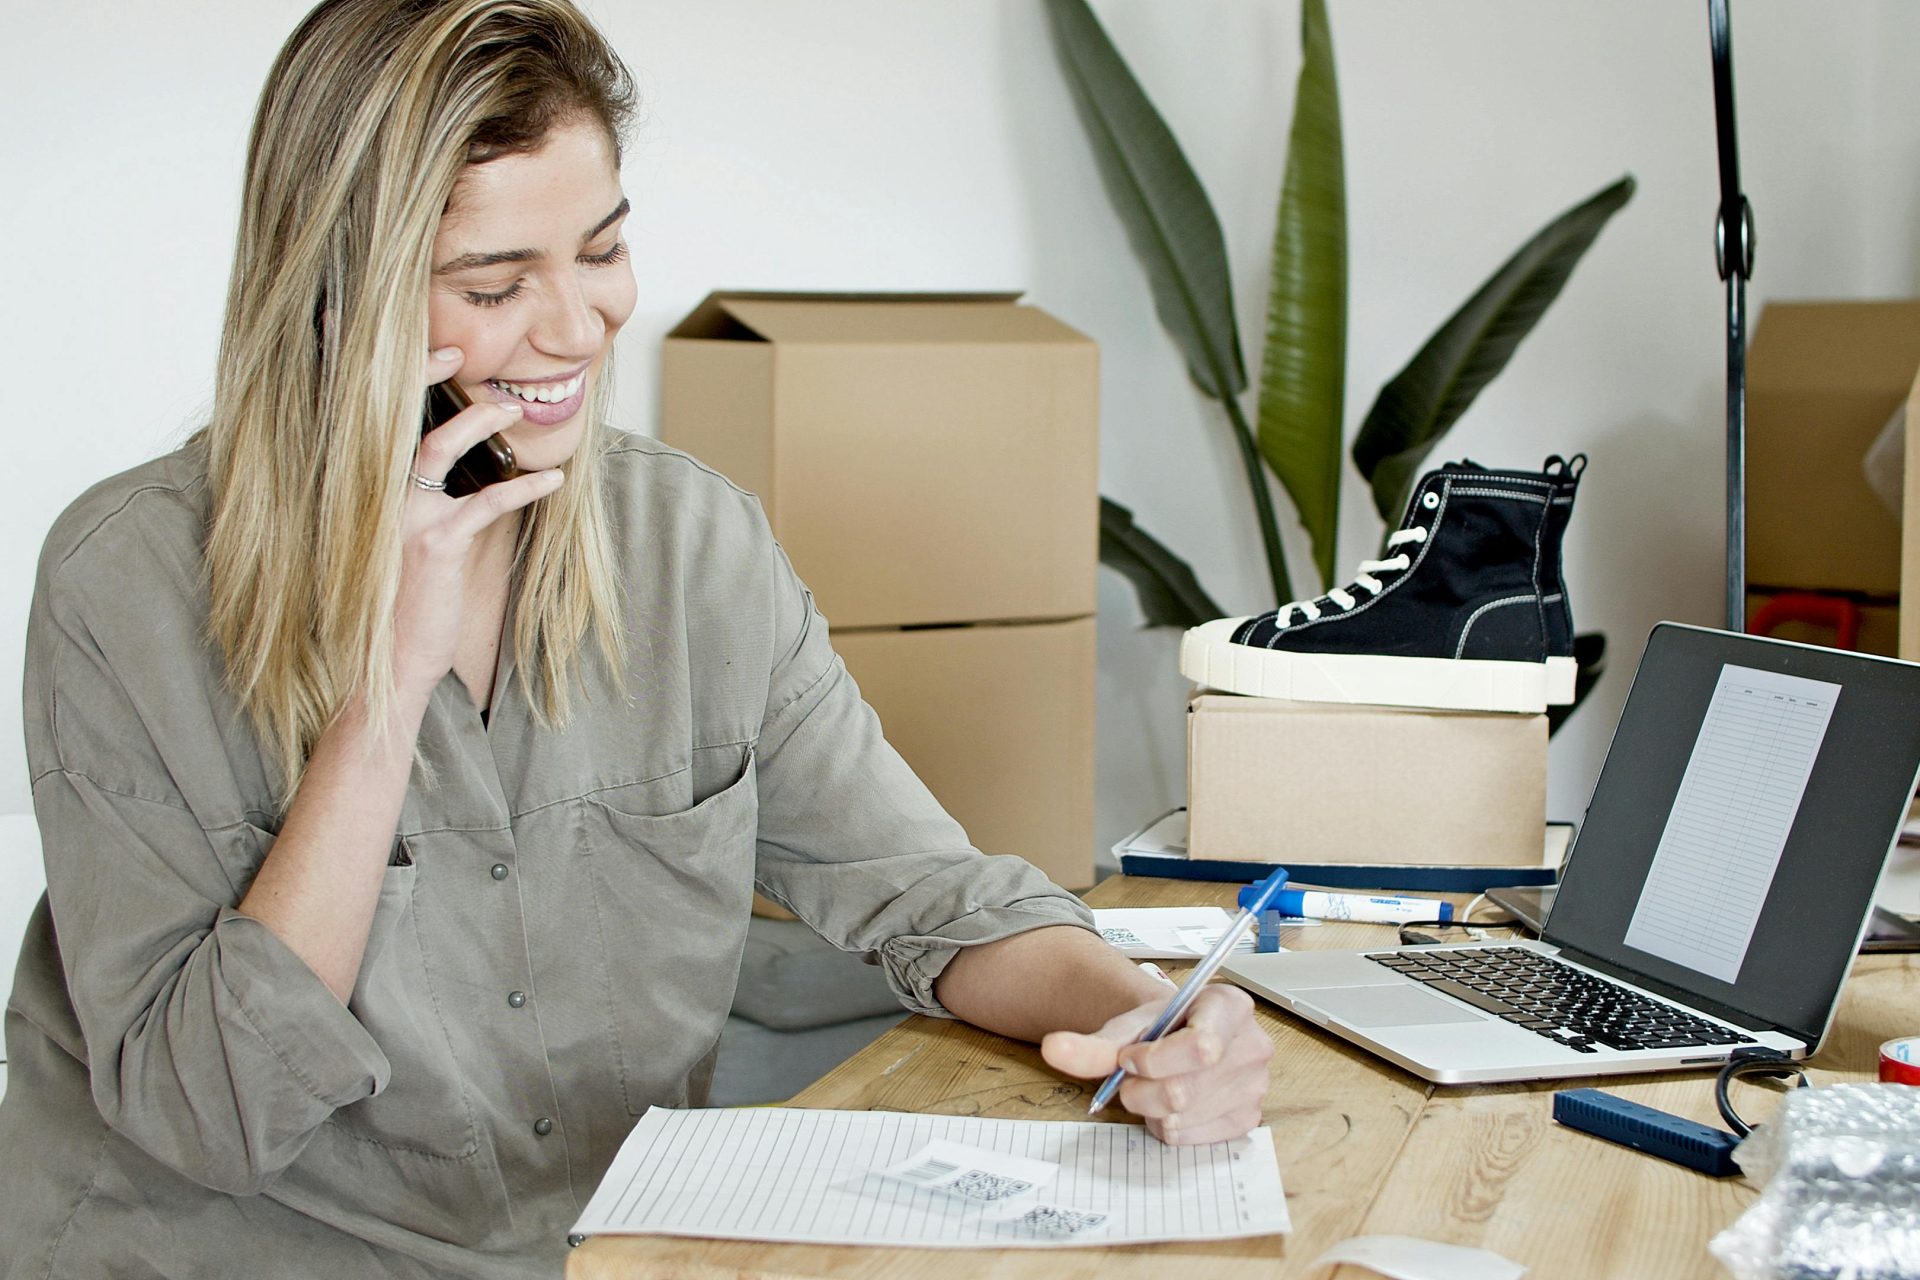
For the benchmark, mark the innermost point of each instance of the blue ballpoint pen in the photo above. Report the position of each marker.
(1264, 893)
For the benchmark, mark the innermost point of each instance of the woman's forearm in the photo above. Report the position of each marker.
(318, 886)
(1055, 979)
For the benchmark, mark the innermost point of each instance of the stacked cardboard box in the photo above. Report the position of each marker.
(1823, 380)
(929, 462)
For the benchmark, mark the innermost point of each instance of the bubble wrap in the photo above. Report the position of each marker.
(1842, 1199)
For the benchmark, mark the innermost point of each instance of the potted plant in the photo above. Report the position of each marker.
(1296, 429)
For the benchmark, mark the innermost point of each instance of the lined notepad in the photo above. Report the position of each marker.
(1729, 824)
(817, 1177)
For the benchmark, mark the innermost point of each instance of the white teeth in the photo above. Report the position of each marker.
(543, 393)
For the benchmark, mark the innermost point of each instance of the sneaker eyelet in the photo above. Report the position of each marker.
(1430, 500)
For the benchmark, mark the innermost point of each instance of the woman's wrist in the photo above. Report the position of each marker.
(413, 690)
(354, 733)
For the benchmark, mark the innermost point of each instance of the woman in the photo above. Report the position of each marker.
(399, 844)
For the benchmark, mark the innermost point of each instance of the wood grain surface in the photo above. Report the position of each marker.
(1364, 1149)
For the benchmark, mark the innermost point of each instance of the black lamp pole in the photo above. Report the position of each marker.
(1733, 251)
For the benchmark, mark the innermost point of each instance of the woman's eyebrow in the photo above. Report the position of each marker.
(619, 211)
(470, 261)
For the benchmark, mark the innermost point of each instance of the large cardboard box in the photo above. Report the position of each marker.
(1823, 379)
(1909, 609)
(924, 458)
(998, 722)
(1269, 780)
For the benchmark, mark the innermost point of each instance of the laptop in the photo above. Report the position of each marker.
(1530, 906)
(1714, 896)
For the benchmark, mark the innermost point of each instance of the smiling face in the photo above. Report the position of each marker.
(531, 282)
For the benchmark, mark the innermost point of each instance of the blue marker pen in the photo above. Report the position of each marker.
(1370, 908)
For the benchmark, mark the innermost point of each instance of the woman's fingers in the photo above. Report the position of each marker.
(441, 447)
(1219, 1014)
(1178, 1133)
(1091, 1056)
(481, 509)
(443, 364)
(1206, 1081)
(1199, 1097)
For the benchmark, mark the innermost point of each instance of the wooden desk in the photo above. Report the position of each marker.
(1364, 1149)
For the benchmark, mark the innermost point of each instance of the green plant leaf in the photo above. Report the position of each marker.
(1424, 399)
(1303, 375)
(1166, 212)
(1170, 595)
(1175, 234)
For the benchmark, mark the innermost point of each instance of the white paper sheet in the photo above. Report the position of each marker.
(1729, 823)
(815, 1177)
(1166, 933)
(1407, 1258)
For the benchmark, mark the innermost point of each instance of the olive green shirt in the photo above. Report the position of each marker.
(557, 939)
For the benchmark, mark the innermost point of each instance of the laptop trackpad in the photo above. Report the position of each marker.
(1393, 1005)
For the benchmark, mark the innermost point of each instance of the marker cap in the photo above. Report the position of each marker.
(1250, 895)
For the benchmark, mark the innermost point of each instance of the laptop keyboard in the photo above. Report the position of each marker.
(1565, 1004)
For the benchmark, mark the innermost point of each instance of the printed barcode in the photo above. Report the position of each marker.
(931, 1171)
(1053, 1220)
(978, 1184)
(1121, 937)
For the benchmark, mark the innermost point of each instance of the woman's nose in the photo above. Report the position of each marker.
(569, 325)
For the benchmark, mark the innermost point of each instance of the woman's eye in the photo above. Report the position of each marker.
(608, 258)
(479, 299)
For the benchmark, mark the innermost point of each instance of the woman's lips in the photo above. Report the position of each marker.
(542, 412)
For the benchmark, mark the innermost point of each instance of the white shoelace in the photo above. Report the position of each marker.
(1343, 596)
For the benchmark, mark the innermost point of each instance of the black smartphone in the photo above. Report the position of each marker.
(488, 462)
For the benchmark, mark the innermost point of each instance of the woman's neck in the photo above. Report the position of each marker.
(489, 582)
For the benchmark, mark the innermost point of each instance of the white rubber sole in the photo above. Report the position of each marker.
(1560, 677)
(1209, 657)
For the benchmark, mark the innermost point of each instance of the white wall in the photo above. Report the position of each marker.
(869, 144)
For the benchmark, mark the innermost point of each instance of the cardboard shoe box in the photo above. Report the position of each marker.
(928, 458)
(1271, 780)
(998, 722)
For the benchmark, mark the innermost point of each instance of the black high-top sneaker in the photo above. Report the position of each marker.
(1453, 618)
(1556, 613)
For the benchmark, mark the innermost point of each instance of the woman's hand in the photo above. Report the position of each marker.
(1203, 1083)
(439, 533)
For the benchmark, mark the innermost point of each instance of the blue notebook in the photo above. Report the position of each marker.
(1160, 849)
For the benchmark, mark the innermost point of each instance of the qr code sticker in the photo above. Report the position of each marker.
(1122, 938)
(978, 1184)
(1052, 1220)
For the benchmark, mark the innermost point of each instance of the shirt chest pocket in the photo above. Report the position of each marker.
(425, 1108)
(671, 896)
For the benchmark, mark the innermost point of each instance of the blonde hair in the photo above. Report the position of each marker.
(368, 117)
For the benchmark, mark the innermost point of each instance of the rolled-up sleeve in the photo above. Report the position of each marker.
(851, 840)
(209, 1044)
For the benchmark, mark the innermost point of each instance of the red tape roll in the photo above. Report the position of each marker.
(1900, 1061)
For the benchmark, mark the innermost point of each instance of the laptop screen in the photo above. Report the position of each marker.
(1740, 822)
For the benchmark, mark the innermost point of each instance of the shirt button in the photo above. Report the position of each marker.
(499, 871)
(543, 1126)
(515, 999)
